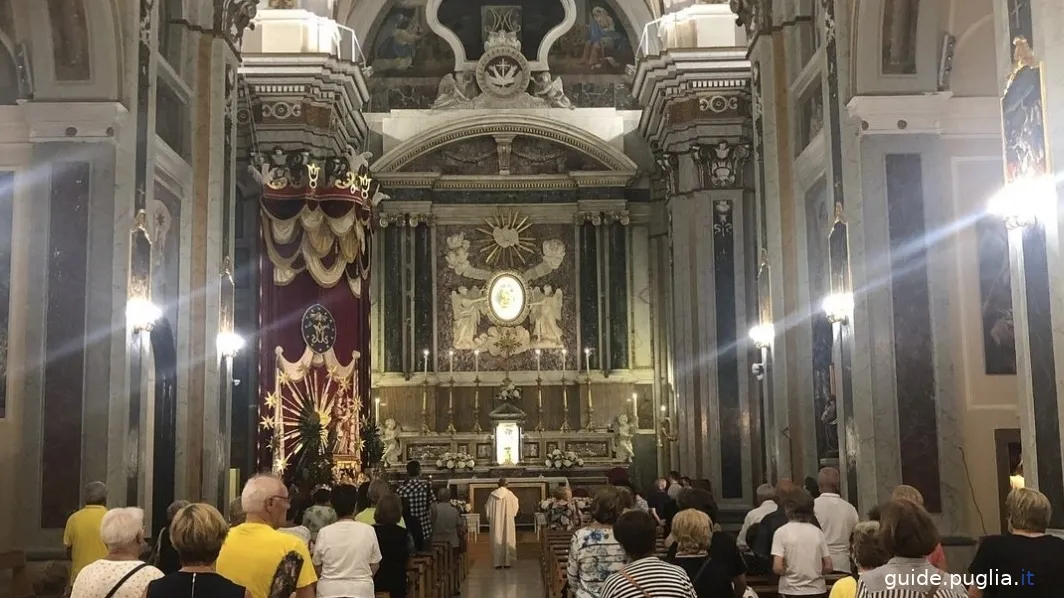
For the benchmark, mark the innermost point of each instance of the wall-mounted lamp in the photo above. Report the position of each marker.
(1024, 201)
(229, 344)
(838, 307)
(141, 314)
(763, 335)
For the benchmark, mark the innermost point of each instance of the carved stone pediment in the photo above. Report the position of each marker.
(504, 155)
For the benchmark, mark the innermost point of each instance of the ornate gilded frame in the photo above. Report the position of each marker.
(494, 317)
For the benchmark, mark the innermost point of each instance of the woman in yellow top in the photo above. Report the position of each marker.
(867, 551)
(377, 489)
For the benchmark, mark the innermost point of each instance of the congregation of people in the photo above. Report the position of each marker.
(354, 542)
(669, 544)
(344, 542)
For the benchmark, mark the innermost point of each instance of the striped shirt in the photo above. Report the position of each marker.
(649, 578)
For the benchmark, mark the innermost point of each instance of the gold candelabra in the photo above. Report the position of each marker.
(450, 407)
(476, 405)
(425, 406)
(590, 405)
(565, 393)
(539, 402)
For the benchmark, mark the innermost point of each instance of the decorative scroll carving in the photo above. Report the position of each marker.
(752, 14)
(721, 165)
(236, 16)
(550, 90)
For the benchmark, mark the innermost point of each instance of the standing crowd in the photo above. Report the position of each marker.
(351, 543)
(806, 536)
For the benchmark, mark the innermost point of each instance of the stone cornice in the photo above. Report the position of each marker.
(928, 114)
(572, 180)
(681, 74)
(73, 122)
(320, 79)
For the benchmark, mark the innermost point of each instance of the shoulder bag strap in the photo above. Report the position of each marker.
(627, 576)
(701, 570)
(122, 581)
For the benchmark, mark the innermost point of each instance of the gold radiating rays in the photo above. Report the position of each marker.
(504, 242)
(314, 396)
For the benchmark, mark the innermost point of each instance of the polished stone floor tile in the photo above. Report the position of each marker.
(520, 581)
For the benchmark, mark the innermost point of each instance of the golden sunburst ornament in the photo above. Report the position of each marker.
(314, 396)
(504, 241)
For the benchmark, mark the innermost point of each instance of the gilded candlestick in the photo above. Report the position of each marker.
(565, 394)
(590, 402)
(476, 392)
(425, 396)
(450, 398)
(539, 391)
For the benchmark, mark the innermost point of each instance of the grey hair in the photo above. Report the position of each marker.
(174, 507)
(765, 492)
(257, 491)
(121, 527)
(95, 493)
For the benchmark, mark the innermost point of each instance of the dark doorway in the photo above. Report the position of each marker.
(164, 453)
(1009, 467)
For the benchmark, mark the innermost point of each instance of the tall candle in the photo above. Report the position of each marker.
(587, 360)
(539, 353)
(565, 358)
(635, 399)
(377, 410)
(425, 353)
(476, 361)
(450, 355)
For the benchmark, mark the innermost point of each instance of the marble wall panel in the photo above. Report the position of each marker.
(1043, 383)
(913, 337)
(64, 343)
(899, 36)
(392, 275)
(727, 354)
(7, 204)
(448, 281)
(424, 314)
(995, 291)
(70, 40)
(619, 317)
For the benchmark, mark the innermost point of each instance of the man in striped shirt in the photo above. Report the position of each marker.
(645, 576)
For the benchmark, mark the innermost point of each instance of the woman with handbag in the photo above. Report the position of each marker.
(645, 575)
(711, 559)
(120, 574)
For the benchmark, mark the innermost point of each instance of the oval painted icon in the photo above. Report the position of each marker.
(506, 298)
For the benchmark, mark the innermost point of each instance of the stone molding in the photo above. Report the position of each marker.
(73, 122)
(620, 165)
(928, 114)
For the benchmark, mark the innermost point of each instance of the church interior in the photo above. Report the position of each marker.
(552, 241)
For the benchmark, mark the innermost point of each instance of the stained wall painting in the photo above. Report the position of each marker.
(405, 46)
(899, 36)
(70, 40)
(995, 290)
(600, 42)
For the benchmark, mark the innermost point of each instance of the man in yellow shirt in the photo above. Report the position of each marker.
(253, 550)
(82, 534)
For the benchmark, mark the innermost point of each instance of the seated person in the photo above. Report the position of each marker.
(755, 565)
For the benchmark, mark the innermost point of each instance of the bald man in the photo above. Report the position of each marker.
(837, 518)
(254, 549)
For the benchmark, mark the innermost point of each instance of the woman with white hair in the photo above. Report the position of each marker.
(120, 574)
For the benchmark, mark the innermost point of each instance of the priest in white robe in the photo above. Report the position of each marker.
(501, 510)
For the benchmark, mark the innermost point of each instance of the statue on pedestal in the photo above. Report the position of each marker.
(623, 432)
(390, 436)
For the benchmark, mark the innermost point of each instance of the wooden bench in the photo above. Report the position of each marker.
(436, 573)
(21, 586)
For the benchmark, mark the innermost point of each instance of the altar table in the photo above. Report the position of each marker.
(529, 491)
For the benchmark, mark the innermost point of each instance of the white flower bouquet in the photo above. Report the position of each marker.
(463, 507)
(456, 461)
(509, 393)
(558, 459)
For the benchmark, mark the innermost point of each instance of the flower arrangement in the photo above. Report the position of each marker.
(463, 507)
(509, 393)
(455, 461)
(558, 459)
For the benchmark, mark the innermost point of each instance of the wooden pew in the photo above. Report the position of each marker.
(15, 561)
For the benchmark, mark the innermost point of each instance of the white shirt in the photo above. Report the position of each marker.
(755, 516)
(344, 551)
(674, 490)
(97, 579)
(803, 549)
(837, 518)
(300, 531)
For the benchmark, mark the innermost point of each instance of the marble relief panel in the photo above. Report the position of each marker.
(465, 263)
(899, 36)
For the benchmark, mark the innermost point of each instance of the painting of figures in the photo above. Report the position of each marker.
(599, 42)
(405, 46)
(995, 289)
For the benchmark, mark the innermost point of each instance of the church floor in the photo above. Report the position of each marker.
(520, 581)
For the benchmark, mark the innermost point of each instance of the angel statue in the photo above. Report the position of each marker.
(390, 438)
(467, 305)
(622, 439)
(546, 311)
(551, 91)
(455, 91)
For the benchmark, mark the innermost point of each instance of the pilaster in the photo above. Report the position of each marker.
(696, 104)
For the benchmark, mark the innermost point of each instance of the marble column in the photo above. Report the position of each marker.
(1037, 245)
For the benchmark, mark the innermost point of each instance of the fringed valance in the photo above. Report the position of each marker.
(315, 218)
